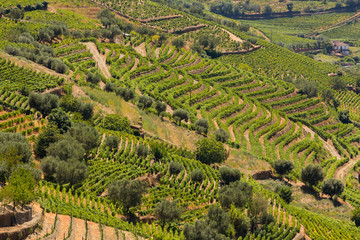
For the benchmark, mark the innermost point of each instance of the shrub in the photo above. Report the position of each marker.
(166, 212)
(197, 175)
(112, 142)
(332, 187)
(312, 175)
(221, 135)
(145, 102)
(229, 175)
(44, 103)
(202, 126)
(178, 43)
(236, 193)
(210, 151)
(93, 78)
(19, 144)
(180, 114)
(175, 168)
(283, 167)
(344, 116)
(116, 122)
(127, 193)
(125, 93)
(284, 192)
(60, 119)
(142, 150)
(86, 135)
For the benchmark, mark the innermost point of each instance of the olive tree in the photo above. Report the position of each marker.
(332, 187)
(210, 151)
(167, 212)
(312, 175)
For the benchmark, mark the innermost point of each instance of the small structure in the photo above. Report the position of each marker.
(341, 47)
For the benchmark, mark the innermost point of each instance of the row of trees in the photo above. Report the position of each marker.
(311, 175)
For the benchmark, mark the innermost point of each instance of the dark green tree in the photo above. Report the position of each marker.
(112, 142)
(210, 151)
(178, 43)
(355, 216)
(221, 135)
(175, 168)
(65, 149)
(284, 192)
(127, 193)
(44, 103)
(145, 102)
(197, 175)
(180, 114)
(290, 6)
(202, 126)
(312, 175)
(344, 116)
(160, 107)
(283, 167)
(86, 135)
(332, 187)
(229, 175)
(60, 119)
(49, 135)
(236, 193)
(18, 142)
(167, 212)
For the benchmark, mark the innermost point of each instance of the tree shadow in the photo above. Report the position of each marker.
(308, 190)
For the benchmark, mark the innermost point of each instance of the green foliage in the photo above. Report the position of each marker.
(338, 83)
(142, 151)
(127, 193)
(21, 187)
(158, 150)
(167, 212)
(285, 193)
(332, 187)
(160, 107)
(18, 142)
(312, 175)
(221, 135)
(197, 175)
(178, 43)
(65, 149)
(112, 142)
(210, 151)
(229, 175)
(355, 216)
(44, 103)
(116, 122)
(307, 87)
(145, 102)
(180, 114)
(49, 135)
(236, 193)
(60, 119)
(93, 78)
(344, 116)
(86, 135)
(283, 167)
(125, 93)
(202, 126)
(175, 168)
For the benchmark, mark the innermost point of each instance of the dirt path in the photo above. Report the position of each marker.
(327, 145)
(344, 170)
(260, 33)
(233, 37)
(351, 19)
(101, 61)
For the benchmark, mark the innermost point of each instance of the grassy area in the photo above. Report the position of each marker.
(326, 58)
(151, 123)
(244, 160)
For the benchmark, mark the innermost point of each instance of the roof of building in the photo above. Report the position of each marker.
(338, 43)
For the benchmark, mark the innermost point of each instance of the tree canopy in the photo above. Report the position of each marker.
(210, 151)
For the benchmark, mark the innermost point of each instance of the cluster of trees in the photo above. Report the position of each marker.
(93, 78)
(74, 105)
(16, 169)
(230, 220)
(311, 175)
(40, 54)
(64, 152)
(233, 10)
(18, 11)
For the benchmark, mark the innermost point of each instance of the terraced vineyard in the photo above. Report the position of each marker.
(243, 94)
